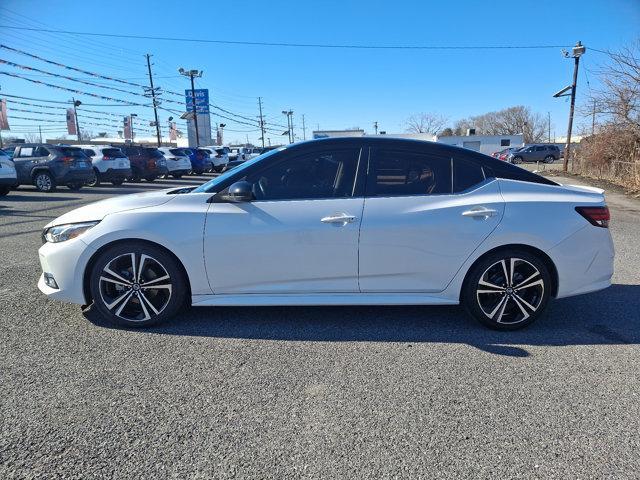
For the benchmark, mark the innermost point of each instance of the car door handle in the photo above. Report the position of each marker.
(338, 218)
(480, 212)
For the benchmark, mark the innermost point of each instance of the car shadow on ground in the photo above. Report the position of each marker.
(609, 317)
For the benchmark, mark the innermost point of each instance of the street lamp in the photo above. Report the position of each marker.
(76, 103)
(191, 74)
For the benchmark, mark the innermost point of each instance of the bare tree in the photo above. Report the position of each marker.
(510, 121)
(425, 123)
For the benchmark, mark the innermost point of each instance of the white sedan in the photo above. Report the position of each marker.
(350, 221)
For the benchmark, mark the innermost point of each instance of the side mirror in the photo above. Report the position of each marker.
(239, 192)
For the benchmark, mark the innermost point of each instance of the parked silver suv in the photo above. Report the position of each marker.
(535, 153)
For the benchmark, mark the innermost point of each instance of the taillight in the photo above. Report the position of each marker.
(67, 160)
(151, 163)
(597, 216)
(106, 157)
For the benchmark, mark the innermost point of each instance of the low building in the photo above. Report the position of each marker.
(486, 144)
(353, 132)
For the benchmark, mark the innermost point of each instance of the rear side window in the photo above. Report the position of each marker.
(401, 172)
(153, 152)
(89, 152)
(466, 174)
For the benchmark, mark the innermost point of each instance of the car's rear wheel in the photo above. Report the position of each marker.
(517, 160)
(507, 290)
(549, 159)
(44, 182)
(95, 180)
(137, 285)
(74, 186)
(4, 191)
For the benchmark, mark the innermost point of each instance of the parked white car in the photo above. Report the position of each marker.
(8, 176)
(342, 221)
(110, 164)
(178, 161)
(219, 157)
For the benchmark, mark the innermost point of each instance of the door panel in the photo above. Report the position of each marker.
(292, 246)
(418, 243)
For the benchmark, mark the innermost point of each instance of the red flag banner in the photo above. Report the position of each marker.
(4, 120)
(173, 133)
(127, 128)
(71, 122)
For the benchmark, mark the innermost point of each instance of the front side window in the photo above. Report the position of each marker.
(540, 149)
(395, 173)
(329, 174)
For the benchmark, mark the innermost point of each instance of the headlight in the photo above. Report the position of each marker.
(62, 233)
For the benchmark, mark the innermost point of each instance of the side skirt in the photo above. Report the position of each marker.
(253, 299)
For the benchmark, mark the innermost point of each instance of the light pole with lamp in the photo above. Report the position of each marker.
(191, 74)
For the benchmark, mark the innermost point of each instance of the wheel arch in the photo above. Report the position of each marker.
(553, 271)
(85, 276)
(39, 169)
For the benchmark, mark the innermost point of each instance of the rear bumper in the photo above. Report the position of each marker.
(8, 182)
(584, 261)
(115, 174)
(73, 176)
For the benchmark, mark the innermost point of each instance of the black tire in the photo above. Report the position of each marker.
(177, 176)
(150, 178)
(4, 191)
(135, 176)
(198, 172)
(516, 160)
(503, 305)
(118, 182)
(44, 182)
(95, 181)
(549, 159)
(74, 186)
(116, 294)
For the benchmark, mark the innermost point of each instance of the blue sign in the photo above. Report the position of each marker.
(202, 100)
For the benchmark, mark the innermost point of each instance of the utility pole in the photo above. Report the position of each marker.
(40, 132)
(289, 114)
(375, 127)
(153, 99)
(191, 74)
(578, 51)
(549, 122)
(261, 121)
(76, 103)
(304, 129)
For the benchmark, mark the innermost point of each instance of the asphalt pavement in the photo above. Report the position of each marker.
(340, 392)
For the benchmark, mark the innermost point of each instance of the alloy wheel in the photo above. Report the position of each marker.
(135, 287)
(510, 291)
(43, 182)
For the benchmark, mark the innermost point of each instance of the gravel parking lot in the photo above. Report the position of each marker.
(360, 392)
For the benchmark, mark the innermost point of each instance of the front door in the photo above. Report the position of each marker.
(421, 222)
(299, 235)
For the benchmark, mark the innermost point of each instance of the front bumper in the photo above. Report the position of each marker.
(66, 263)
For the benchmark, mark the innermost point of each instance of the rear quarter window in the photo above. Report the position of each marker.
(466, 174)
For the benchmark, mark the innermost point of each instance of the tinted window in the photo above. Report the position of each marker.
(540, 149)
(318, 175)
(408, 173)
(89, 152)
(178, 152)
(153, 152)
(70, 152)
(466, 174)
(113, 153)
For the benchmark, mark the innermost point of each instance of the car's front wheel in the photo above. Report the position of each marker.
(516, 160)
(137, 285)
(507, 290)
(4, 191)
(549, 159)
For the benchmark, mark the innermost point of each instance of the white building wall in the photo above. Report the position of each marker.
(486, 144)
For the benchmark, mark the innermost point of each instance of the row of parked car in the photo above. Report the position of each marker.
(530, 153)
(49, 166)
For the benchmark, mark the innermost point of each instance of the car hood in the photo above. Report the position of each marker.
(99, 210)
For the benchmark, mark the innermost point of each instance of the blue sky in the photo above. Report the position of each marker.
(334, 88)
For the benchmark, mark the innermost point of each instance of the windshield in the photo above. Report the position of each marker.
(211, 184)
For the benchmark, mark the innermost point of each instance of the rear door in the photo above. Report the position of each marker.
(423, 216)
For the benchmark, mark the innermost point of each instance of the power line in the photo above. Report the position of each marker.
(298, 45)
